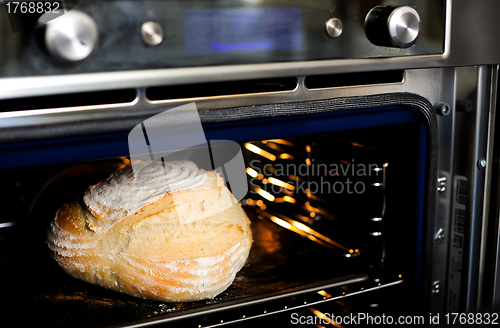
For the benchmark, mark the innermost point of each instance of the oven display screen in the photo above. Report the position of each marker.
(241, 30)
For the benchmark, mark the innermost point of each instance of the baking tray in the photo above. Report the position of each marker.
(281, 264)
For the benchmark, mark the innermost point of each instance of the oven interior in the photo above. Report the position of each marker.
(336, 201)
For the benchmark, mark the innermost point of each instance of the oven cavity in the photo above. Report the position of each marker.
(332, 217)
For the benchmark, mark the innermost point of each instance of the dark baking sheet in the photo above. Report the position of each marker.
(281, 264)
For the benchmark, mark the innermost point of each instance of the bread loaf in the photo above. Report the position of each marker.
(174, 234)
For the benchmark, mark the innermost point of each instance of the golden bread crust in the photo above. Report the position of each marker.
(186, 245)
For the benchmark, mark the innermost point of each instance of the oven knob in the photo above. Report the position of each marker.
(71, 37)
(392, 26)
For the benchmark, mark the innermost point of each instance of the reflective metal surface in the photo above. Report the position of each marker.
(473, 94)
(403, 26)
(334, 27)
(479, 183)
(198, 39)
(445, 95)
(441, 187)
(327, 295)
(71, 37)
(32, 86)
(392, 26)
(491, 292)
(152, 33)
(461, 44)
(428, 83)
(489, 278)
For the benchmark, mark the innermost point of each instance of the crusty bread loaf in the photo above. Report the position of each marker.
(182, 238)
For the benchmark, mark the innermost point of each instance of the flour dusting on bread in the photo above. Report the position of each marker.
(122, 194)
(174, 234)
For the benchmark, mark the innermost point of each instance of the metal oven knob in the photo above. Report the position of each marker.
(392, 26)
(71, 37)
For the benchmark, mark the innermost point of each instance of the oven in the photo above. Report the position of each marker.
(369, 158)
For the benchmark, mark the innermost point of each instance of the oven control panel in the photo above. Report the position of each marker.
(103, 36)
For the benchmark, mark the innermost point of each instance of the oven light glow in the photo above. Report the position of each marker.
(291, 176)
(324, 317)
(301, 226)
(287, 199)
(304, 230)
(274, 146)
(355, 144)
(265, 194)
(310, 208)
(259, 151)
(304, 218)
(323, 293)
(313, 233)
(286, 156)
(281, 222)
(279, 141)
(7, 224)
(251, 172)
(280, 183)
(317, 211)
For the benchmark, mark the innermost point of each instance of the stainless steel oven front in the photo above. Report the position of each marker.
(369, 151)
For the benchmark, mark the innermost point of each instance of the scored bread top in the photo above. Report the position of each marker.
(158, 230)
(122, 194)
(181, 245)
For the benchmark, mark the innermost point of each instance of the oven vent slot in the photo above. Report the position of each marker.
(107, 97)
(353, 79)
(221, 88)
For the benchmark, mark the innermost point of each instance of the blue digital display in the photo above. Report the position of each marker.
(242, 30)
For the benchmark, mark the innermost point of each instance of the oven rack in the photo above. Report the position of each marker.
(240, 313)
(320, 296)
